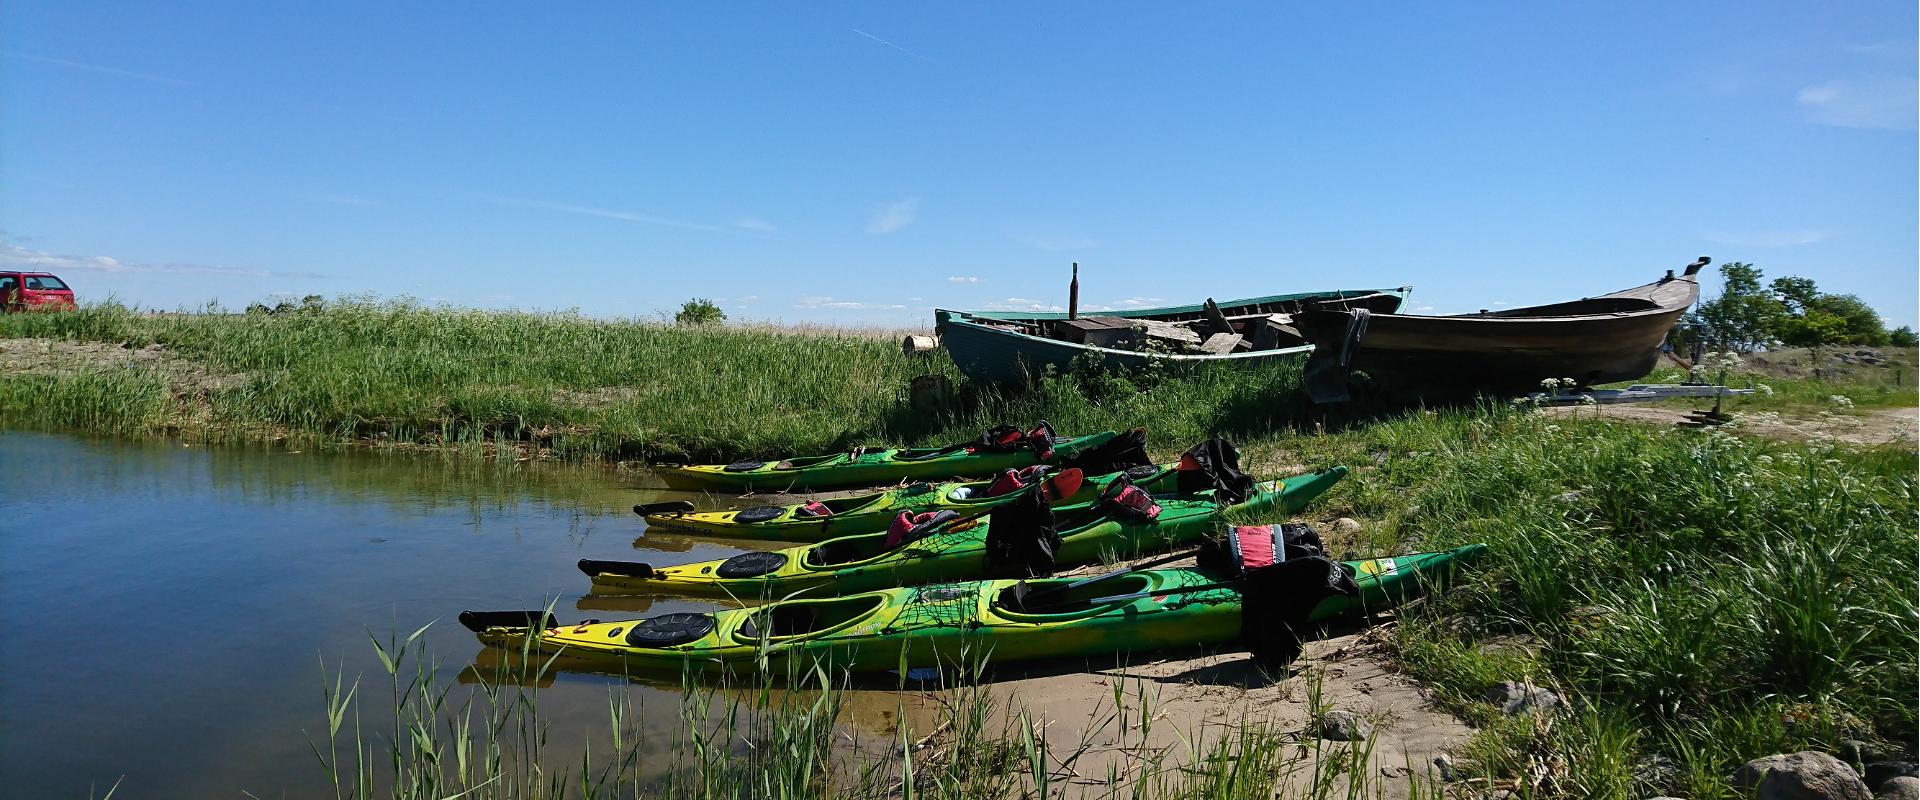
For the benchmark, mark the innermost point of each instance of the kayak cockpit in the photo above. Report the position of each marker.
(846, 550)
(1052, 599)
(797, 619)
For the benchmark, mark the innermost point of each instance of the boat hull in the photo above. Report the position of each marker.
(987, 353)
(1615, 337)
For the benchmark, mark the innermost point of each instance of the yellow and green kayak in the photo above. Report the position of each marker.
(869, 513)
(942, 624)
(1088, 532)
(879, 467)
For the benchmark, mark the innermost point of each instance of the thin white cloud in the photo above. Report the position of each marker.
(1883, 101)
(123, 73)
(962, 279)
(890, 44)
(1058, 244)
(1138, 302)
(1793, 237)
(606, 213)
(754, 224)
(1420, 308)
(339, 199)
(13, 256)
(890, 217)
(1022, 304)
(829, 302)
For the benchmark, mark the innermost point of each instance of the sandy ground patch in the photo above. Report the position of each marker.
(54, 356)
(1869, 427)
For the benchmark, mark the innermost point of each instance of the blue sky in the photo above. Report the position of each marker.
(859, 164)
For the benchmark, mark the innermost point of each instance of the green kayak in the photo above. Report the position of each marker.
(1001, 448)
(1088, 532)
(935, 625)
(870, 513)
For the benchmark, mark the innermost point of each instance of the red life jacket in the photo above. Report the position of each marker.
(813, 509)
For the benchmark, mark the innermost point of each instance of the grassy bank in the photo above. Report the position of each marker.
(1701, 598)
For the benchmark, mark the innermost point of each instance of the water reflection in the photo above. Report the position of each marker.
(183, 597)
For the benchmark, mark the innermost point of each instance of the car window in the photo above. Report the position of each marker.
(6, 284)
(44, 282)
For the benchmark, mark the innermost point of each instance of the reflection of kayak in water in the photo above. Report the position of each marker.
(999, 620)
(964, 548)
(876, 704)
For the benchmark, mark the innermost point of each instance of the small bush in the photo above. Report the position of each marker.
(699, 311)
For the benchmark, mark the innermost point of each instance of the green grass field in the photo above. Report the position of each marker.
(1701, 597)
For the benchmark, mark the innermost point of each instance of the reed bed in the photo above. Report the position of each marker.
(767, 735)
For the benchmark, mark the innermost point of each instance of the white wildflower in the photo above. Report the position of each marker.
(1587, 400)
(1763, 390)
(1840, 401)
(1550, 384)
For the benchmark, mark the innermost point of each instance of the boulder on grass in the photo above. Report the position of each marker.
(1806, 775)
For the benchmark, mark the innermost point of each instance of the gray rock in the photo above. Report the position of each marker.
(1518, 698)
(1879, 772)
(1346, 525)
(1345, 726)
(1806, 775)
(1905, 787)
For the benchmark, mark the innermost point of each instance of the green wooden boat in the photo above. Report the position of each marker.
(872, 512)
(943, 624)
(1008, 348)
(878, 467)
(860, 563)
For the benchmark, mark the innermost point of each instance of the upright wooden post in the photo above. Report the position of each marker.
(1073, 294)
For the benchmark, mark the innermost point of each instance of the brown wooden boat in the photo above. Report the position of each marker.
(1613, 337)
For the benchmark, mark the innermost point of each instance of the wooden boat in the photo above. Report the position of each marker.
(1613, 337)
(1009, 348)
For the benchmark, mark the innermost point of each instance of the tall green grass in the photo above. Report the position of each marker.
(1705, 598)
(401, 373)
(787, 737)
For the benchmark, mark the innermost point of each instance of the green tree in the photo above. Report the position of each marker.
(699, 311)
(1795, 293)
(1859, 322)
(1744, 316)
(1903, 336)
(1815, 329)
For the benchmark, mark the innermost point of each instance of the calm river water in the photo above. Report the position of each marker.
(168, 606)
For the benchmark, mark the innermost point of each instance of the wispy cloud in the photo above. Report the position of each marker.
(891, 217)
(890, 44)
(103, 70)
(962, 279)
(1058, 244)
(13, 256)
(829, 302)
(754, 224)
(1023, 304)
(1138, 302)
(1884, 101)
(1789, 237)
(605, 213)
(339, 199)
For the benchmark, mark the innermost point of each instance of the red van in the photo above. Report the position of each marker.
(33, 291)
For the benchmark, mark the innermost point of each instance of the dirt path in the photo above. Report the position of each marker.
(1870, 427)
